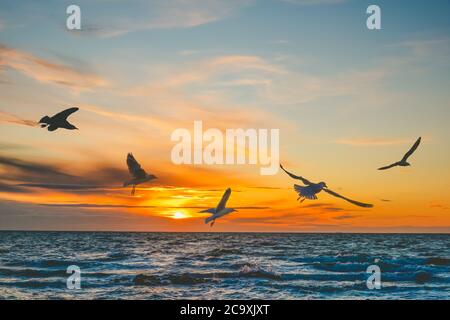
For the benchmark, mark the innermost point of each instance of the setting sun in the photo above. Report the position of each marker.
(179, 215)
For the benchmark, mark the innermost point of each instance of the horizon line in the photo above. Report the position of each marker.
(236, 232)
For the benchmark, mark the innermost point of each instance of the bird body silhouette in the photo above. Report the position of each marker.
(59, 120)
(404, 162)
(221, 209)
(310, 190)
(138, 174)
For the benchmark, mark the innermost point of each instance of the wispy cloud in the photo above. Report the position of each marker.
(19, 169)
(314, 2)
(323, 207)
(346, 217)
(11, 188)
(6, 117)
(235, 66)
(46, 71)
(422, 48)
(156, 14)
(273, 81)
(363, 142)
(102, 206)
(439, 206)
(52, 176)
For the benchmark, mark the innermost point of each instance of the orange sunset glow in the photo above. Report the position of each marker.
(342, 111)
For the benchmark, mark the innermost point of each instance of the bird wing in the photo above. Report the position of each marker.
(305, 181)
(210, 210)
(411, 151)
(389, 166)
(224, 200)
(365, 205)
(64, 114)
(134, 167)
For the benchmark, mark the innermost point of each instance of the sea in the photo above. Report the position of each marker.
(292, 266)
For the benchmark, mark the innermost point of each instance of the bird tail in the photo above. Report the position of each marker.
(209, 219)
(128, 183)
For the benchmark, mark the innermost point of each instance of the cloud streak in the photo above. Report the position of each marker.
(10, 118)
(155, 14)
(46, 71)
(365, 142)
(124, 206)
(50, 176)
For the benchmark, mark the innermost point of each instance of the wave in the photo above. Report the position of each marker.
(33, 284)
(117, 256)
(190, 278)
(422, 277)
(437, 261)
(223, 252)
(32, 273)
(256, 271)
(174, 279)
(55, 263)
(226, 266)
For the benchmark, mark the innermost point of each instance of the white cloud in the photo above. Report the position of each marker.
(236, 67)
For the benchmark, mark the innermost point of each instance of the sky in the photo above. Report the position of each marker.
(346, 99)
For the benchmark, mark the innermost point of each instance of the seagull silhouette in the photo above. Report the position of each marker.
(404, 162)
(310, 190)
(220, 210)
(138, 174)
(59, 120)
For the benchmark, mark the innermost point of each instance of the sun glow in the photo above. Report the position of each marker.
(180, 215)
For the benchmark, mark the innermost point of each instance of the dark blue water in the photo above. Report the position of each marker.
(223, 266)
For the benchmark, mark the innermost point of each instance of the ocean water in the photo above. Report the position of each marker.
(33, 265)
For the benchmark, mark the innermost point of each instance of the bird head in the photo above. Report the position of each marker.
(151, 177)
(323, 184)
(45, 120)
(407, 164)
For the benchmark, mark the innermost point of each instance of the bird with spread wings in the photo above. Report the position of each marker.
(138, 174)
(59, 120)
(404, 162)
(310, 190)
(220, 210)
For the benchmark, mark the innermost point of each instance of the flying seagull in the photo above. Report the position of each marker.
(403, 162)
(138, 174)
(310, 189)
(220, 210)
(59, 120)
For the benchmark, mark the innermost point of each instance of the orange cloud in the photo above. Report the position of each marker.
(49, 72)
